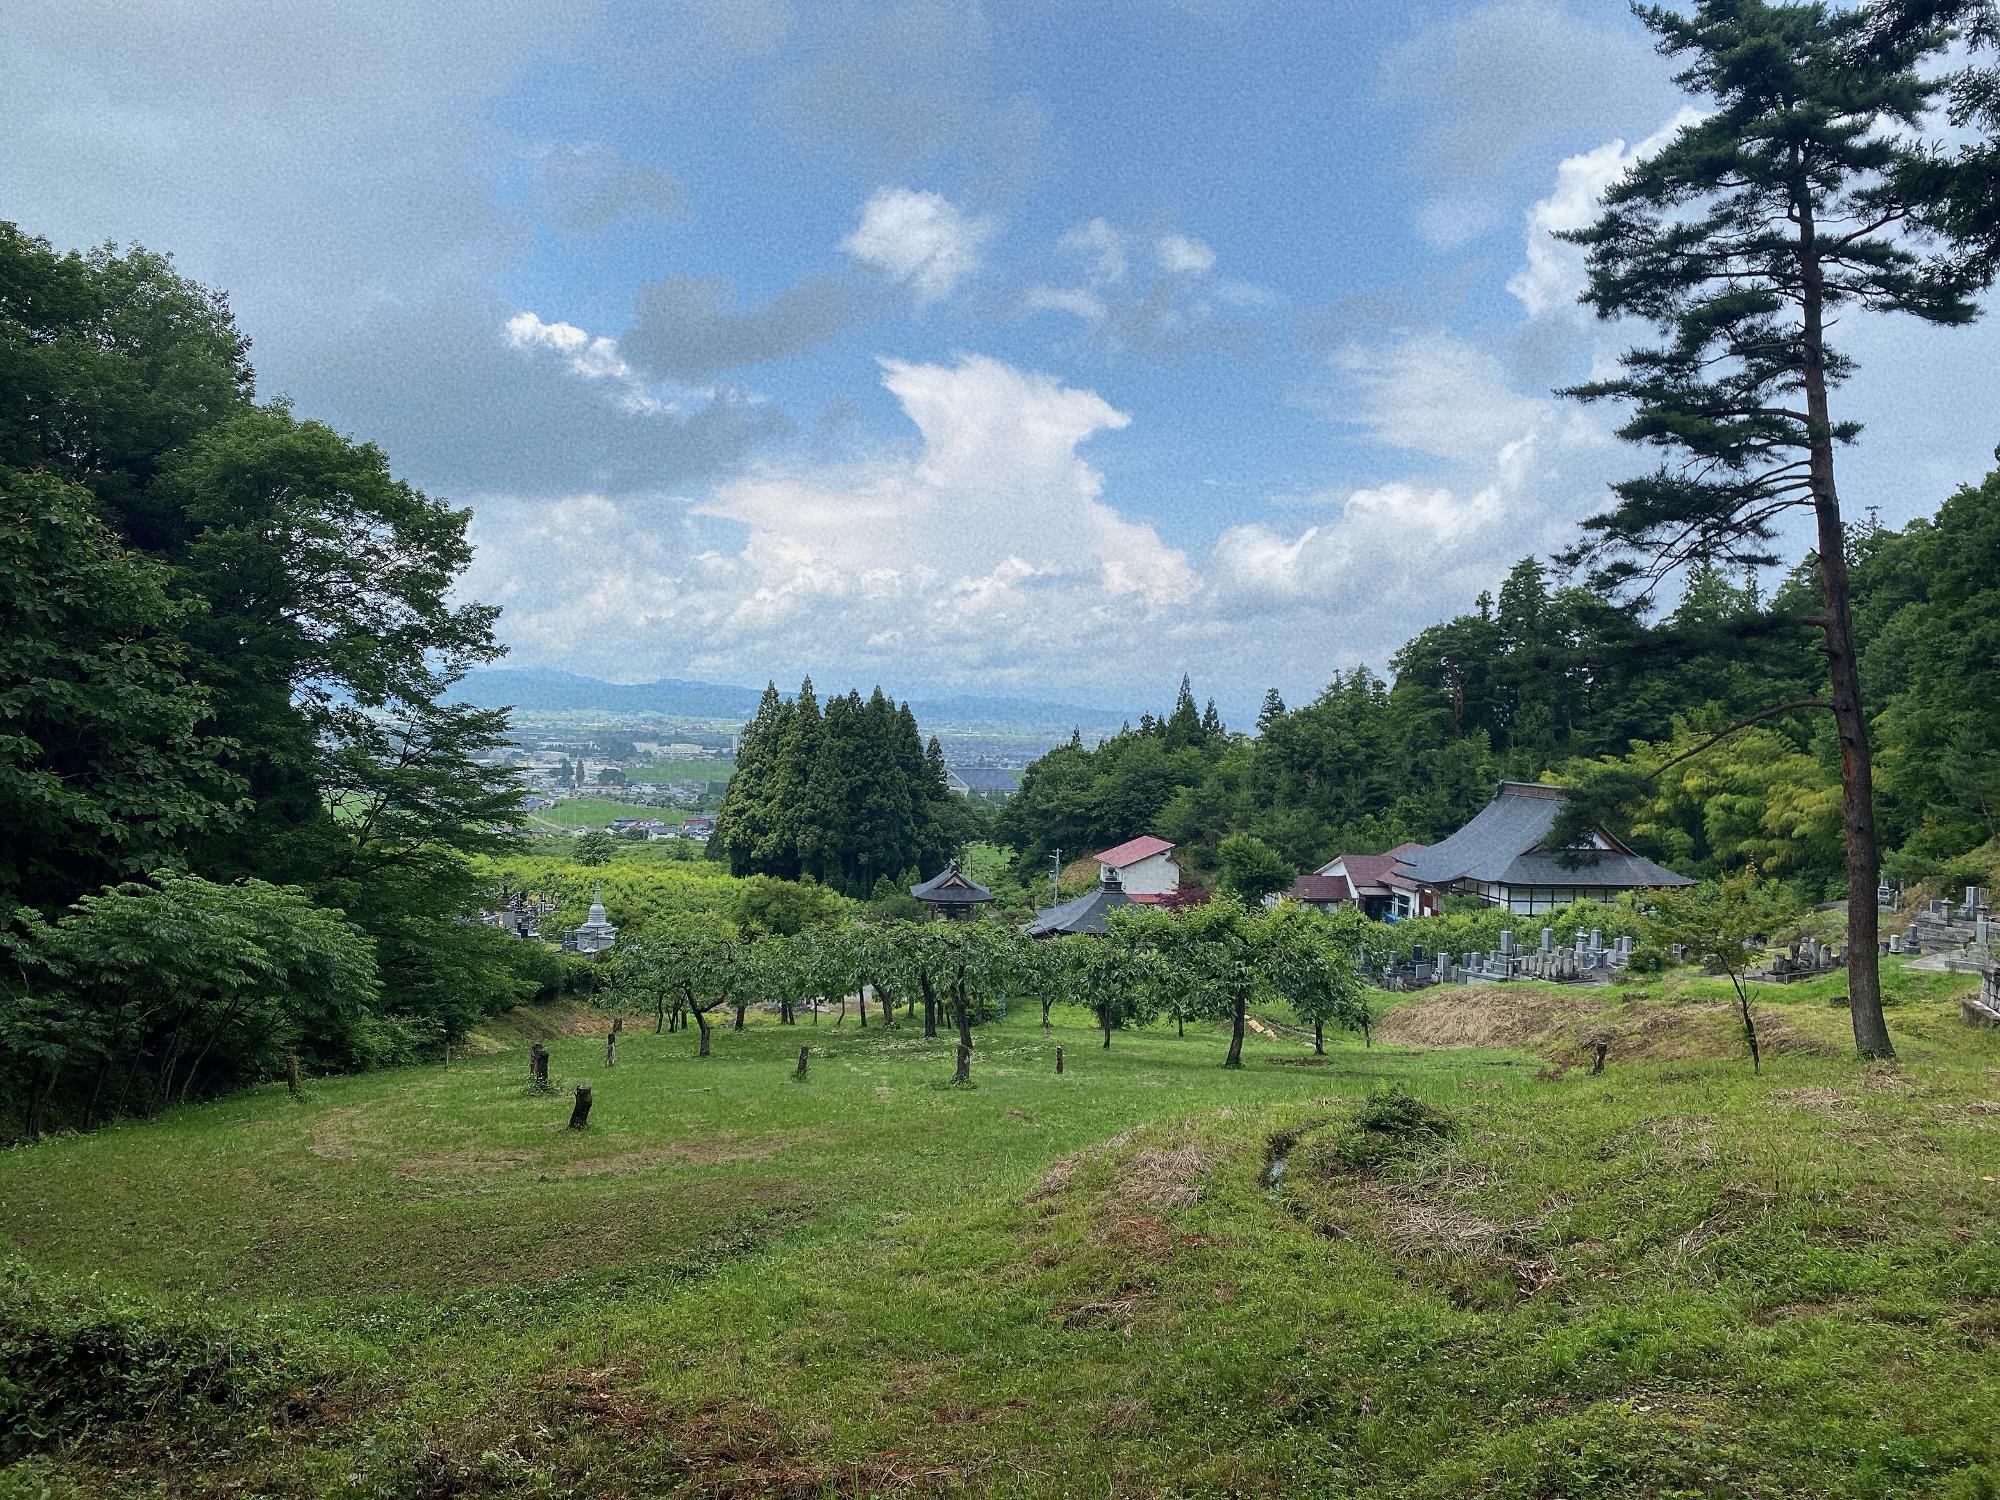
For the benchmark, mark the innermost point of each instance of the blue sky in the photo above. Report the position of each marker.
(1049, 347)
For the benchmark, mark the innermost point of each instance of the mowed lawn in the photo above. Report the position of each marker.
(1673, 1279)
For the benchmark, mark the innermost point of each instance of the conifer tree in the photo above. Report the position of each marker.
(1741, 242)
(1272, 711)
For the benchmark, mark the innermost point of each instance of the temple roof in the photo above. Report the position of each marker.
(1503, 846)
(951, 888)
(1085, 914)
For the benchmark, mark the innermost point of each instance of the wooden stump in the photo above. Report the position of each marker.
(1058, 1061)
(538, 1064)
(803, 1051)
(1597, 1063)
(292, 1074)
(611, 1042)
(579, 1116)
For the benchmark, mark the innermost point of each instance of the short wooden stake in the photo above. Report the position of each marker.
(580, 1115)
(802, 1062)
(1597, 1065)
(1058, 1060)
(611, 1042)
(538, 1064)
(292, 1074)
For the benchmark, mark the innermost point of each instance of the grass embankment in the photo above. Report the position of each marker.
(1673, 1279)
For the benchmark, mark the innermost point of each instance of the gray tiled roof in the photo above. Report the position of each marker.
(950, 888)
(1085, 914)
(1503, 845)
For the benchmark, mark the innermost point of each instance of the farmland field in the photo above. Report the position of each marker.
(1672, 1279)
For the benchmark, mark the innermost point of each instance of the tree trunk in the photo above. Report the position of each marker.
(964, 1071)
(1319, 1039)
(1047, 1001)
(1235, 1058)
(862, 1001)
(802, 1062)
(611, 1042)
(1857, 787)
(701, 1020)
(659, 1014)
(741, 1006)
(1104, 1020)
(1749, 1025)
(1059, 1062)
(579, 1115)
(930, 1007)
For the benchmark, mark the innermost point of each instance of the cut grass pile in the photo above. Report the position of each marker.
(1501, 1278)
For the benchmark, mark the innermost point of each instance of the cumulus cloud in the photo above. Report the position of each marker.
(1554, 276)
(988, 552)
(689, 327)
(920, 240)
(591, 358)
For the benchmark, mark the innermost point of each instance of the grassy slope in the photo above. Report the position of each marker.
(1673, 1279)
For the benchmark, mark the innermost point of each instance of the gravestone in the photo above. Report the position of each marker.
(1548, 939)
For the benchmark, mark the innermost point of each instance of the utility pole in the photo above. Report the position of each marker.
(1055, 877)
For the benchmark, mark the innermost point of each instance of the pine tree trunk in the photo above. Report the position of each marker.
(1857, 787)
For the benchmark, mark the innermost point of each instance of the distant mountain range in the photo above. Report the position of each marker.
(544, 690)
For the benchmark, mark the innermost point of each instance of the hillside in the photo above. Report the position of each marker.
(1672, 1279)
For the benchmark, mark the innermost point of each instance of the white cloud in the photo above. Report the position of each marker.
(987, 554)
(1183, 255)
(593, 358)
(1554, 276)
(921, 240)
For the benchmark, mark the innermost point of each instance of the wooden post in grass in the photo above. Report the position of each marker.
(1597, 1063)
(292, 1074)
(802, 1062)
(1058, 1062)
(611, 1042)
(579, 1116)
(538, 1065)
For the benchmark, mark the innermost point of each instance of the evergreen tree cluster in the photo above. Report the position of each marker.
(850, 795)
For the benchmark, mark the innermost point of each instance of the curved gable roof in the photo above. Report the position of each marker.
(1503, 846)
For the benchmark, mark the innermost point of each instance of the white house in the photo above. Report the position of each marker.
(1145, 868)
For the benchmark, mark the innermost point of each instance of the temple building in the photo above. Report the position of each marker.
(1086, 913)
(597, 932)
(1503, 857)
(952, 895)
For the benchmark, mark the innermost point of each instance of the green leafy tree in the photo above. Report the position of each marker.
(1252, 869)
(1740, 240)
(105, 766)
(1114, 981)
(1724, 924)
(1308, 961)
(595, 848)
(151, 994)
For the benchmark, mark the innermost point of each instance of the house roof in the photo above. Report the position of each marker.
(1370, 874)
(988, 778)
(1503, 846)
(1321, 888)
(951, 888)
(1132, 851)
(1085, 914)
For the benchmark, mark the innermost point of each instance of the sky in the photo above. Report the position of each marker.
(1049, 348)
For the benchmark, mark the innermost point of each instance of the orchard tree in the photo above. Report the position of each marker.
(594, 848)
(1112, 980)
(1252, 869)
(1307, 960)
(1789, 204)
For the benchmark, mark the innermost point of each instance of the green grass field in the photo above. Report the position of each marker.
(595, 812)
(1671, 1280)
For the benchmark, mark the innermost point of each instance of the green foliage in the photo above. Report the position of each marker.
(1252, 869)
(849, 797)
(80, 1364)
(1390, 1128)
(765, 904)
(593, 848)
(150, 994)
(106, 765)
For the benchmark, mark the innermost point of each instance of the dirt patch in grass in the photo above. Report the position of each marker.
(1152, 1179)
(1565, 1026)
(1487, 1016)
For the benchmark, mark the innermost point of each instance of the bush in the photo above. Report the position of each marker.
(81, 1365)
(1391, 1127)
